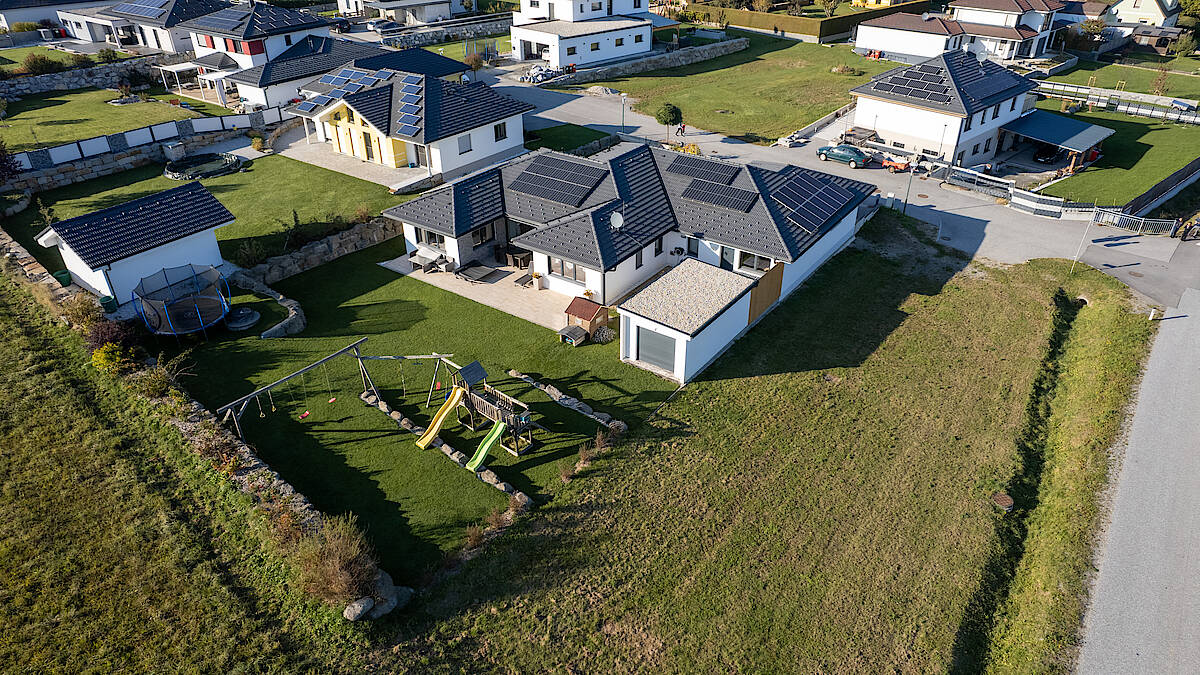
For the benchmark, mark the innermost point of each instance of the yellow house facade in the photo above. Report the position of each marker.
(352, 135)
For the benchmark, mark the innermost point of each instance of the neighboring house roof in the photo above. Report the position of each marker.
(1091, 10)
(567, 29)
(1146, 30)
(1165, 7)
(6, 5)
(216, 60)
(1014, 6)
(689, 296)
(1005, 32)
(772, 213)
(164, 13)
(315, 55)
(1065, 132)
(918, 23)
(255, 20)
(582, 308)
(118, 232)
(955, 82)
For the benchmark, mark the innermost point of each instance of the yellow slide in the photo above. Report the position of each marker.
(431, 433)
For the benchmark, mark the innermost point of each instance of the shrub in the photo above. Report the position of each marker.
(495, 519)
(108, 55)
(111, 359)
(586, 455)
(24, 26)
(81, 310)
(602, 442)
(337, 564)
(474, 536)
(475, 61)
(82, 61)
(845, 69)
(565, 470)
(152, 382)
(362, 214)
(258, 143)
(604, 335)
(249, 254)
(46, 23)
(104, 332)
(40, 64)
(254, 133)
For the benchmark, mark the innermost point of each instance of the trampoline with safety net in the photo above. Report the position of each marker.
(181, 300)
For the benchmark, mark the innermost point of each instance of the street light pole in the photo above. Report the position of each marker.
(907, 190)
(623, 96)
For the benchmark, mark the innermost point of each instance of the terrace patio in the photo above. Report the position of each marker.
(543, 307)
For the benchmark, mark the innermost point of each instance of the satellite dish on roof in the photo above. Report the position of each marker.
(616, 220)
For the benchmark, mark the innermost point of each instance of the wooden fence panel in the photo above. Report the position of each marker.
(766, 292)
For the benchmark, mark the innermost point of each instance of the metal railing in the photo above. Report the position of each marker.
(1133, 223)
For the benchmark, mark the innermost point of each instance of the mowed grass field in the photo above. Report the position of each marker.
(123, 551)
(1141, 153)
(771, 89)
(1141, 80)
(10, 59)
(261, 199)
(415, 505)
(45, 120)
(820, 501)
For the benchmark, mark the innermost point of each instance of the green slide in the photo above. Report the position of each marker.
(490, 440)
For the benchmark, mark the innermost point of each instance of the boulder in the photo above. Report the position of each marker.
(506, 488)
(488, 476)
(583, 408)
(553, 392)
(358, 609)
(396, 415)
(458, 458)
(604, 418)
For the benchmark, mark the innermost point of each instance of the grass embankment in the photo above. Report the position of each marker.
(768, 90)
(45, 120)
(563, 137)
(458, 50)
(1141, 153)
(1138, 79)
(415, 505)
(122, 550)
(11, 59)
(822, 502)
(261, 199)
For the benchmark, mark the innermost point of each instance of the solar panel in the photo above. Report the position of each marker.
(407, 130)
(545, 187)
(575, 173)
(410, 98)
(133, 9)
(411, 79)
(382, 74)
(306, 106)
(714, 172)
(810, 203)
(412, 120)
(411, 89)
(409, 109)
(321, 100)
(347, 72)
(338, 93)
(737, 199)
(338, 80)
(352, 87)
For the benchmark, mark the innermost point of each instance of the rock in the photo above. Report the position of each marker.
(568, 402)
(447, 450)
(384, 605)
(597, 90)
(553, 392)
(604, 418)
(488, 476)
(506, 488)
(358, 609)
(382, 405)
(618, 428)
(583, 408)
(406, 423)
(523, 500)
(404, 595)
(515, 373)
(383, 584)
(396, 415)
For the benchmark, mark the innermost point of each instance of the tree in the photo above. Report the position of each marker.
(762, 5)
(46, 214)
(1184, 46)
(669, 115)
(1093, 27)
(830, 6)
(1161, 83)
(8, 164)
(1190, 7)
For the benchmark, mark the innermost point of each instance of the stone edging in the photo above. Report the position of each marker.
(316, 253)
(488, 476)
(21, 205)
(295, 321)
(616, 426)
(269, 141)
(32, 270)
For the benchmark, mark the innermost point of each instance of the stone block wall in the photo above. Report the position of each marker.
(437, 35)
(330, 248)
(679, 57)
(102, 76)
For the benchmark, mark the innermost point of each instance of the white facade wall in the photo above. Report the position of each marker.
(835, 240)
(629, 341)
(82, 274)
(626, 276)
(704, 347)
(274, 95)
(916, 128)
(890, 40)
(984, 129)
(593, 279)
(1146, 12)
(351, 7)
(35, 14)
(606, 43)
(987, 17)
(198, 249)
(573, 10)
(446, 160)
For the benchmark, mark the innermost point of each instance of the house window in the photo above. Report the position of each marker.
(637, 4)
(501, 131)
(693, 247)
(637, 38)
(482, 236)
(658, 246)
(975, 150)
(565, 269)
(208, 41)
(534, 3)
(637, 260)
(464, 144)
(368, 146)
(431, 239)
(570, 51)
(620, 42)
(595, 46)
(1013, 105)
(959, 161)
(350, 116)
(287, 39)
(230, 45)
(987, 145)
(996, 111)
(897, 144)
(970, 120)
(596, 6)
(753, 262)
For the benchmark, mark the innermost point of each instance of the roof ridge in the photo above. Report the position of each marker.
(765, 195)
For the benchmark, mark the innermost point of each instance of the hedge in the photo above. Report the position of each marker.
(801, 25)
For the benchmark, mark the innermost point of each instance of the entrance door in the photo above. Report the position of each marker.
(368, 147)
(656, 349)
(727, 258)
(422, 155)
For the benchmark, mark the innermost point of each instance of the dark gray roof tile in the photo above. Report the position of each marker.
(955, 82)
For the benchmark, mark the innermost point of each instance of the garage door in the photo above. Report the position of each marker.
(656, 349)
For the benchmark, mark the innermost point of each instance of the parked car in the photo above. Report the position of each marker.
(340, 25)
(380, 25)
(1048, 154)
(847, 154)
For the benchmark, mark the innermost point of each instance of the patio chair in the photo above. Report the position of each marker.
(524, 281)
(474, 273)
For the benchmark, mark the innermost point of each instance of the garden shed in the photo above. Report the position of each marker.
(587, 314)
(109, 251)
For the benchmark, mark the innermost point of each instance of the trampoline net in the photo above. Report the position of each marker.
(185, 299)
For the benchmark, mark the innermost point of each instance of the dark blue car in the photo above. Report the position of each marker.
(846, 154)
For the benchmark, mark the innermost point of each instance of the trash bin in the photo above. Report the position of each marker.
(63, 277)
(109, 304)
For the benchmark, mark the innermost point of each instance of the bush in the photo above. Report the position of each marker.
(82, 61)
(337, 564)
(249, 254)
(258, 143)
(24, 26)
(565, 470)
(475, 61)
(82, 310)
(362, 214)
(40, 64)
(111, 359)
(108, 55)
(152, 382)
(495, 519)
(105, 332)
(474, 536)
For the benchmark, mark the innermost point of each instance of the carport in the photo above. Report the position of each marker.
(1077, 137)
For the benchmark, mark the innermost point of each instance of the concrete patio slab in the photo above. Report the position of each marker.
(545, 308)
(293, 143)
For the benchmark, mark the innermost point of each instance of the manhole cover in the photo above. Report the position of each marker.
(922, 196)
(1136, 274)
(945, 238)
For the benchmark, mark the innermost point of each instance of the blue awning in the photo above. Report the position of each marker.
(1065, 132)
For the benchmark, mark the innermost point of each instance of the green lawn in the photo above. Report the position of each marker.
(1136, 79)
(10, 59)
(458, 50)
(563, 137)
(1187, 64)
(261, 198)
(123, 551)
(414, 504)
(55, 118)
(771, 89)
(820, 501)
(1140, 154)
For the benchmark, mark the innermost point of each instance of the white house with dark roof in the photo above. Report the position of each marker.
(33, 11)
(563, 32)
(952, 106)
(1163, 13)
(152, 24)
(109, 251)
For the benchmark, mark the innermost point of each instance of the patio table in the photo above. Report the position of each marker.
(521, 259)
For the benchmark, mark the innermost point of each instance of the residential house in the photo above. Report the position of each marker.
(416, 12)
(109, 251)
(278, 81)
(1162, 13)
(149, 24)
(401, 119)
(33, 11)
(952, 106)
(583, 32)
(1078, 12)
(908, 38)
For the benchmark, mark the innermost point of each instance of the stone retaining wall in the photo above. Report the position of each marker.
(673, 59)
(312, 254)
(433, 36)
(102, 76)
(109, 163)
(598, 145)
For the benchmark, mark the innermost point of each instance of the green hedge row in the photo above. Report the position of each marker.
(801, 25)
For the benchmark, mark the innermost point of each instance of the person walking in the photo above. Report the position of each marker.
(682, 130)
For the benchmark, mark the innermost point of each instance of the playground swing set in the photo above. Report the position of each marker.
(475, 402)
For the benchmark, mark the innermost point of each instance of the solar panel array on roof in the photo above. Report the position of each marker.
(306, 106)
(701, 190)
(225, 19)
(809, 203)
(151, 9)
(714, 172)
(558, 180)
(923, 82)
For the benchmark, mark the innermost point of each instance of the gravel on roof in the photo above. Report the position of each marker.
(689, 296)
(586, 27)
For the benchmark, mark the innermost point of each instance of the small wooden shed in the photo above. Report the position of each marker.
(586, 314)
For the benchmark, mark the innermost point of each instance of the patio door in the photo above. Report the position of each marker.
(422, 155)
(368, 147)
(727, 258)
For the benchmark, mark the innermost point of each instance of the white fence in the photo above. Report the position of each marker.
(90, 147)
(1128, 102)
(1134, 223)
